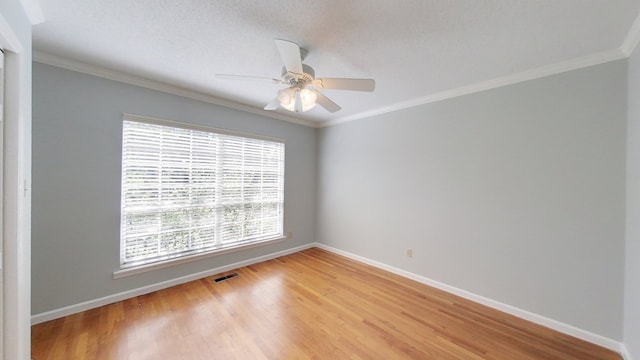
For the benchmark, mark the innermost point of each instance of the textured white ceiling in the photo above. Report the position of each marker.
(413, 49)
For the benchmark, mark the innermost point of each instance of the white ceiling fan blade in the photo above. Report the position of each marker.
(273, 104)
(290, 54)
(345, 84)
(326, 103)
(245, 77)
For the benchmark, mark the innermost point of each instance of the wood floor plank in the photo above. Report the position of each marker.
(308, 305)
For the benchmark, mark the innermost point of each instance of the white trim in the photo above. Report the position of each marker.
(573, 64)
(552, 69)
(535, 318)
(109, 299)
(137, 80)
(119, 274)
(632, 39)
(8, 39)
(15, 329)
(33, 10)
(625, 353)
(184, 125)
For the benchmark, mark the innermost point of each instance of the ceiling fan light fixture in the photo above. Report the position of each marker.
(308, 99)
(287, 98)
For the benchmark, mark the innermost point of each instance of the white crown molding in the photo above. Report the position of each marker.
(136, 80)
(109, 299)
(632, 39)
(573, 64)
(8, 39)
(552, 69)
(33, 10)
(523, 314)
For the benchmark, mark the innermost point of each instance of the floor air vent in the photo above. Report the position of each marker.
(226, 277)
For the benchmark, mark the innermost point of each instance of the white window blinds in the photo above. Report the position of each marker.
(186, 191)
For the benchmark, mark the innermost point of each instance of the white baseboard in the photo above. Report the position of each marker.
(523, 314)
(535, 318)
(625, 353)
(91, 304)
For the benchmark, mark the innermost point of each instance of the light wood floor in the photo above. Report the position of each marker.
(309, 305)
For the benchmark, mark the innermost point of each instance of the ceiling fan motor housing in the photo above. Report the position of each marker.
(299, 79)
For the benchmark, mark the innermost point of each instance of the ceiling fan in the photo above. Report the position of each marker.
(302, 93)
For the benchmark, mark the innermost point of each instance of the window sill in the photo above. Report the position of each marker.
(185, 259)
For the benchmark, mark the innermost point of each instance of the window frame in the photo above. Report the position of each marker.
(173, 259)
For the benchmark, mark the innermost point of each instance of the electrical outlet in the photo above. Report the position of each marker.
(290, 235)
(409, 252)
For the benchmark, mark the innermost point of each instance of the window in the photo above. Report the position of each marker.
(188, 190)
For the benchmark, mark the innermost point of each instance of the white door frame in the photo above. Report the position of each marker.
(1, 195)
(16, 328)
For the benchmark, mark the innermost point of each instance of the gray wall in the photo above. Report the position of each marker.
(632, 271)
(77, 134)
(516, 194)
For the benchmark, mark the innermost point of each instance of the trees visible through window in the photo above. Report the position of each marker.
(188, 190)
